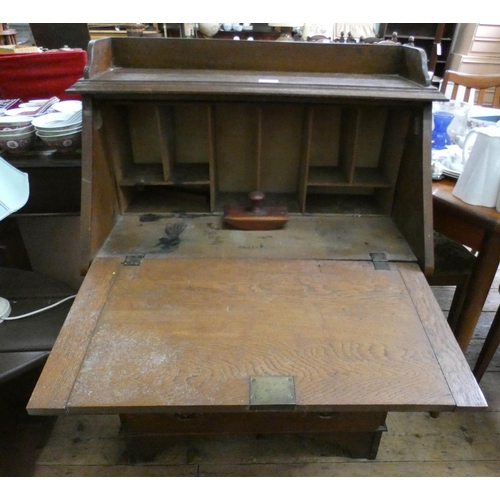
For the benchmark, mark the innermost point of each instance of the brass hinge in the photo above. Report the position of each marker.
(380, 262)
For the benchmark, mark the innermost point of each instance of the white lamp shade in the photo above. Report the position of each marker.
(14, 189)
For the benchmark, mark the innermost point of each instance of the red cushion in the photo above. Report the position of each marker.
(41, 75)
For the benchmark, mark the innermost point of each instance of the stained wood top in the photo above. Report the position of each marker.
(347, 237)
(225, 68)
(184, 334)
(485, 217)
(208, 83)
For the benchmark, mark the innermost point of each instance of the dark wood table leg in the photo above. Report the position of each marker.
(478, 288)
(489, 348)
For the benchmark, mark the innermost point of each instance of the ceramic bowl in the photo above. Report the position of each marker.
(19, 143)
(14, 122)
(16, 131)
(52, 121)
(57, 132)
(64, 143)
(67, 106)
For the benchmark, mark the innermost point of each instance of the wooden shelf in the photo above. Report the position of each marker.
(332, 176)
(232, 147)
(166, 199)
(326, 176)
(181, 174)
(55, 181)
(370, 177)
(290, 201)
(427, 36)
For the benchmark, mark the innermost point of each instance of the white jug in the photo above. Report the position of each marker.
(479, 183)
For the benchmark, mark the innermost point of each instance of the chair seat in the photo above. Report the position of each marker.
(13, 364)
(25, 343)
(34, 333)
(451, 258)
(453, 265)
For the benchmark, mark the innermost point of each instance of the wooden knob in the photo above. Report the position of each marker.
(256, 198)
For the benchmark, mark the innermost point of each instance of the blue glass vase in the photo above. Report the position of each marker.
(440, 137)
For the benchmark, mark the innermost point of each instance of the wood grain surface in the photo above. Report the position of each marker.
(179, 66)
(304, 237)
(188, 333)
(462, 384)
(62, 367)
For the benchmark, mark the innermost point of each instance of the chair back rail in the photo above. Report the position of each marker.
(478, 82)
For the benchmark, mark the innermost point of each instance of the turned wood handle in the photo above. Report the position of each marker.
(256, 198)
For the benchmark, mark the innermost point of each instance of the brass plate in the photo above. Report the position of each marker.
(272, 391)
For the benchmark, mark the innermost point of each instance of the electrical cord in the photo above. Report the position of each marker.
(11, 318)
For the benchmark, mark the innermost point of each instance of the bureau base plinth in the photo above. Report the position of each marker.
(351, 434)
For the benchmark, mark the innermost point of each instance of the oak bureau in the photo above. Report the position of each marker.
(185, 325)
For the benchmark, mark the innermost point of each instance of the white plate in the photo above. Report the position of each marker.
(37, 102)
(450, 173)
(16, 111)
(67, 106)
(29, 105)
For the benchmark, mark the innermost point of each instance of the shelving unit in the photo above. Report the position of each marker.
(210, 150)
(104, 30)
(435, 38)
(179, 134)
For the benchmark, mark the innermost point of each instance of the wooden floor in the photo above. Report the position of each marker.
(458, 444)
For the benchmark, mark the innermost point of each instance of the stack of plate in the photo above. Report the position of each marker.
(454, 174)
(60, 130)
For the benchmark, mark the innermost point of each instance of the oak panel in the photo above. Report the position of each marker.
(182, 334)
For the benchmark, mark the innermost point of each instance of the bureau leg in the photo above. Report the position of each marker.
(356, 444)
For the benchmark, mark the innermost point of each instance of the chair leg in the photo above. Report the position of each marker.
(457, 303)
(489, 347)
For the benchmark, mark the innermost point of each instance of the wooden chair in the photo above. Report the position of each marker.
(477, 82)
(453, 262)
